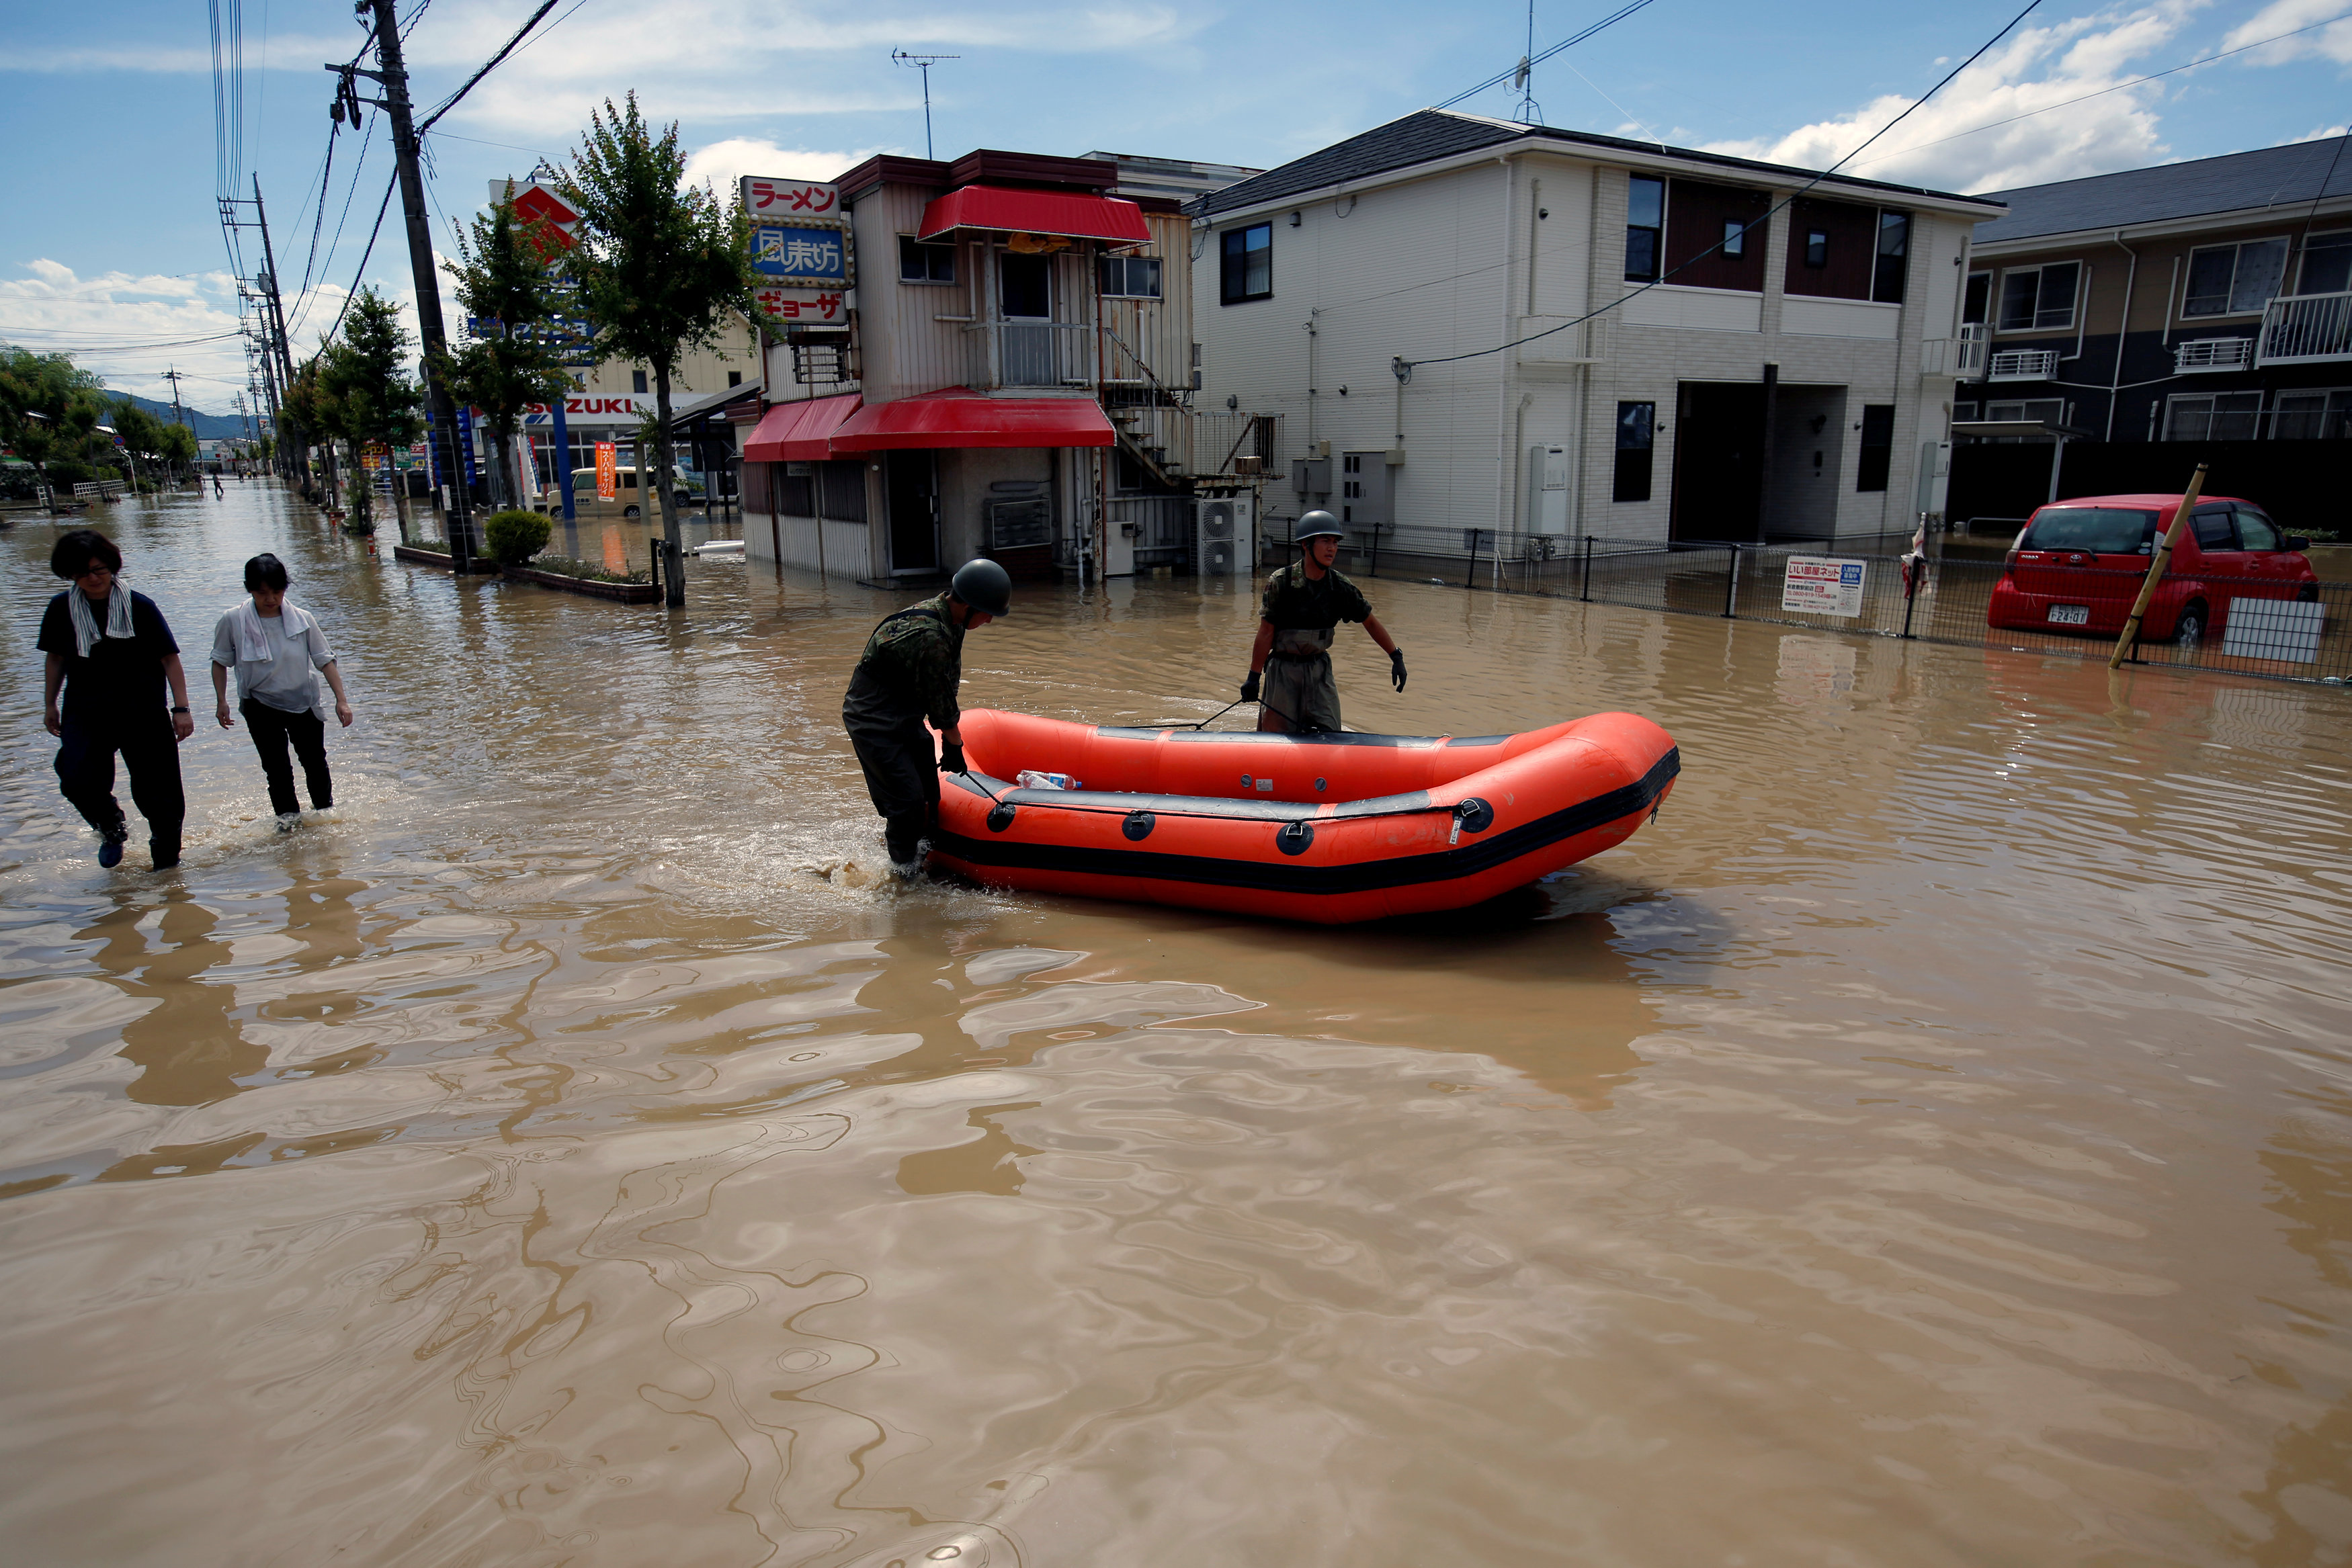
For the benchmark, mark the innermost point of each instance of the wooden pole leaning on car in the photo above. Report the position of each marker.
(2156, 567)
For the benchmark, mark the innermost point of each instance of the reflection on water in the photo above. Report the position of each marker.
(1930, 1142)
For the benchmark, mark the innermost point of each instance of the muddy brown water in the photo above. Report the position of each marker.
(1930, 1142)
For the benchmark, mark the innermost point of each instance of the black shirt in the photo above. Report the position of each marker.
(119, 680)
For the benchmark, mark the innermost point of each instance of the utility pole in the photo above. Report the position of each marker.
(173, 376)
(276, 357)
(394, 77)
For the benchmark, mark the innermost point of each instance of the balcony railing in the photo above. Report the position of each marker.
(2213, 354)
(2307, 328)
(1962, 357)
(2024, 365)
(1032, 354)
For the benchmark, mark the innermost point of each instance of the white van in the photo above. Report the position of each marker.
(626, 502)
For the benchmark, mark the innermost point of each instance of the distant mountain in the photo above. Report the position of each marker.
(207, 426)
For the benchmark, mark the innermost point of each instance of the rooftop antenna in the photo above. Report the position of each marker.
(924, 64)
(1530, 111)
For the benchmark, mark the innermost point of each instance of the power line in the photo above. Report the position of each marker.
(1531, 61)
(446, 104)
(1405, 366)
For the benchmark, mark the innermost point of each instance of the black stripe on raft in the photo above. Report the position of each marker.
(1468, 859)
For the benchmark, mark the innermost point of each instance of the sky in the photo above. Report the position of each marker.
(113, 247)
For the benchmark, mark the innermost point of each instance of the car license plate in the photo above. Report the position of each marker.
(2070, 615)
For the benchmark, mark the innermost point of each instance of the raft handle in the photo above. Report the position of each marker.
(1139, 825)
(1294, 838)
(1000, 815)
(1473, 814)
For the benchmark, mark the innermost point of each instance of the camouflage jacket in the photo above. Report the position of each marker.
(916, 657)
(1293, 601)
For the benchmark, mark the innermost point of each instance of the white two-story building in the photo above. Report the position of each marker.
(1471, 324)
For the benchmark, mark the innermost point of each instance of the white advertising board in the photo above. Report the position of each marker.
(1822, 585)
(770, 199)
(2273, 629)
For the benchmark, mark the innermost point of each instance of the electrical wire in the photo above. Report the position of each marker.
(1778, 207)
(446, 104)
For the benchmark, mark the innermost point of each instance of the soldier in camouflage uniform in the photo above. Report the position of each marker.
(1303, 604)
(909, 672)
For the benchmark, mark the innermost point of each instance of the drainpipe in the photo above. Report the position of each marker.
(2122, 331)
(1518, 459)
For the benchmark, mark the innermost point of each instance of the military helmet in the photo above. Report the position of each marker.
(984, 585)
(1316, 525)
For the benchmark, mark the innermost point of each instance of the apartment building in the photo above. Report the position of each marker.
(1473, 324)
(999, 361)
(2203, 301)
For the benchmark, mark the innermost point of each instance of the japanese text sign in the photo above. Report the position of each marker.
(770, 199)
(608, 470)
(810, 257)
(802, 304)
(1821, 585)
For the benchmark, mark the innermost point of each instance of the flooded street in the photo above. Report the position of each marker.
(1928, 1143)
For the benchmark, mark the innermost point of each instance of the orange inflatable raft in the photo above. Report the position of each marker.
(1332, 828)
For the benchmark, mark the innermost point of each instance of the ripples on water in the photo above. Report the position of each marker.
(1929, 1143)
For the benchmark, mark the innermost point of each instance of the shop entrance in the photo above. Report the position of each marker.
(1718, 461)
(913, 481)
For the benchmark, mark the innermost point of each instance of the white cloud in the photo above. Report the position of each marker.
(2038, 72)
(722, 164)
(2333, 43)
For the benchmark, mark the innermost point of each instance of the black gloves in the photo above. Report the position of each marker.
(1396, 667)
(951, 757)
(1249, 687)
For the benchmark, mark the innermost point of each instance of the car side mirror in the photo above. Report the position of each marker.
(2295, 541)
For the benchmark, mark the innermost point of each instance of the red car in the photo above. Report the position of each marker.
(2078, 567)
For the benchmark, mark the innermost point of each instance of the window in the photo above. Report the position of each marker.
(1131, 277)
(1645, 228)
(796, 491)
(637, 381)
(2096, 530)
(1246, 269)
(2213, 416)
(1977, 300)
(841, 490)
(1878, 446)
(1893, 257)
(2256, 531)
(1637, 425)
(1962, 410)
(734, 377)
(1734, 238)
(2044, 411)
(2233, 279)
(2039, 298)
(2212, 526)
(1817, 248)
(920, 263)
(2327, 264)
(2312, 415)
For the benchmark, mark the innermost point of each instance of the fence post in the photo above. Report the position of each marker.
(1731, 586)
(1585, 592)
(1913, 571)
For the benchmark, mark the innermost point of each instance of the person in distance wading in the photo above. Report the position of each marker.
(1304, 604)
(112, 652)
(273, 646)
(909, 672)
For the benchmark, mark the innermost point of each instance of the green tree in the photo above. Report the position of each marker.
(51, 410)
(502, 276)
(311, 411)
(371, 401)
(659, 264)
(142, 438)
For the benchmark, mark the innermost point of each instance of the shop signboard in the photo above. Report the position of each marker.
(826, 307)
(767, 199)
(1822, 585)
(800, 255)
(608, 471)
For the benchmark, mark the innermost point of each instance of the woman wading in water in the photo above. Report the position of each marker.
(274, 646)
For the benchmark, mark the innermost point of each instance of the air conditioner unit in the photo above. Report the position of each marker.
(1225, 533)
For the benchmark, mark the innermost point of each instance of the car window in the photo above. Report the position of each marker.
(628, 479)
(2212, 527)
(2101, 530)
(2256, 531)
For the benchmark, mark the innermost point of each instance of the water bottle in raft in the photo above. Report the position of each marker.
(1029, 778)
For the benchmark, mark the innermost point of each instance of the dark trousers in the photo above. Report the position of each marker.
(150, 752)
(902, 776)
(271, 729)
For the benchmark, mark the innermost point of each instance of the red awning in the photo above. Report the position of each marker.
(1037, 213)
(958, 417)
(798, 432)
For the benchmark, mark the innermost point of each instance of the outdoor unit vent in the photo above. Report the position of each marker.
(1227, 538)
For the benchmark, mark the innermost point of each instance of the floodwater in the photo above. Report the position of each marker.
(1928, 1143)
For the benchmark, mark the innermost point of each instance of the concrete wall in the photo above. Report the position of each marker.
(965, 475)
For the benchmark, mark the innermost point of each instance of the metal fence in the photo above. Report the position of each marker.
(2257, 626)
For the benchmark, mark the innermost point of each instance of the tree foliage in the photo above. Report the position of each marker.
(502, 276)
(660, 265)
(51, 411)
(364, 393)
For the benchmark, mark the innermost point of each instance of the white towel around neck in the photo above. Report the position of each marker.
(253, 645)
(85, 624)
